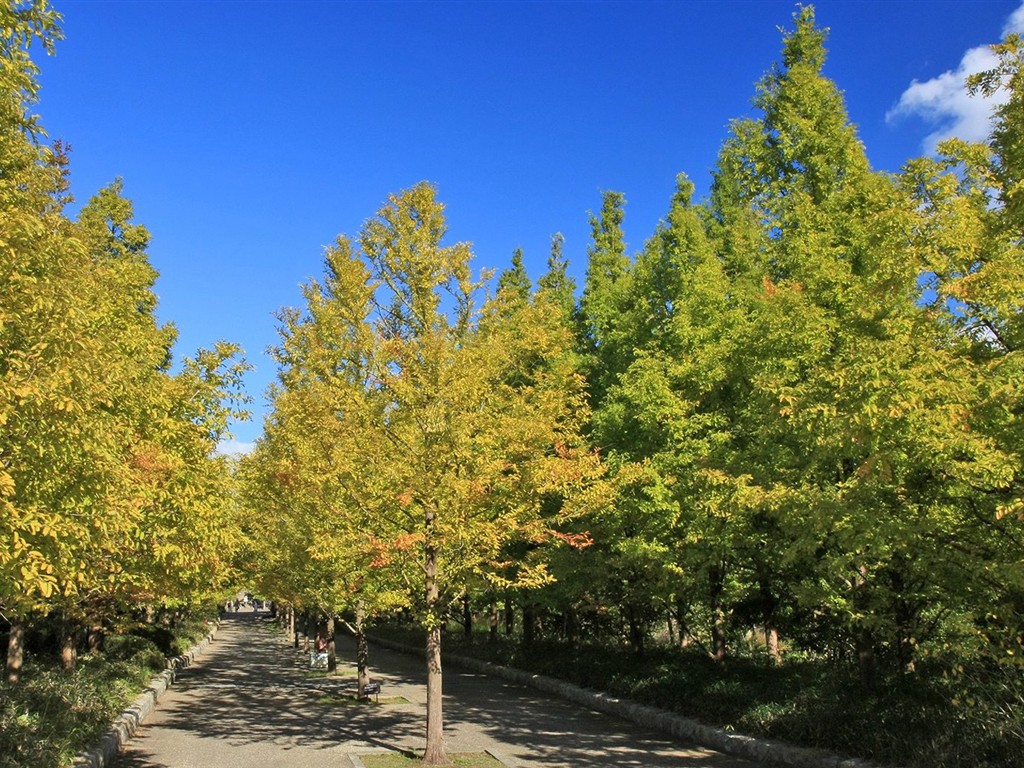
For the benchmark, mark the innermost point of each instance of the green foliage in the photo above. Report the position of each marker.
(128, 647)
(805, 393)
(796, 428)
(110, 494)
(933, 718)
(417, 433)
(480, 406)
(51, 715)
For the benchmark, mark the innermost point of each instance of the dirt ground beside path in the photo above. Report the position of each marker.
(251, 700)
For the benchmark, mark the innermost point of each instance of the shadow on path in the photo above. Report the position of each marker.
(251, 700)
(253, 694)
(540, 729)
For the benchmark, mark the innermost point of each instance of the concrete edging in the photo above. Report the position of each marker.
(749, 747)
(124, 726)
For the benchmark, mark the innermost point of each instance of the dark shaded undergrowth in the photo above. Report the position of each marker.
(52, 714)
(944, 715)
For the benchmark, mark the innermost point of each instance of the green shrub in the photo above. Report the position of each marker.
(53, 714)
(954, 712)
(141, 650)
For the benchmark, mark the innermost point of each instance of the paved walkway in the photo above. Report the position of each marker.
(250, 700)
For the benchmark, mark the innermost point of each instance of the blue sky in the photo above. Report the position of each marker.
(249, 134)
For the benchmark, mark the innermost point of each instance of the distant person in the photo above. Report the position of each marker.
(318, 659)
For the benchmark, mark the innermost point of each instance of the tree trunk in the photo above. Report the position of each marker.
(771, 638)
(435, 753)
(15, 651)
(69, 648)
(94, 639)
(769, 606)
(492, 622)
(636, 631)
(528, 625)
(510, 617)
(332, 650)
(717, 587)
(467, 616)
(362, 651)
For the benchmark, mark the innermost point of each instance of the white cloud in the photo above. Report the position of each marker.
(235, 448)
(944, 102)
(1015, 24)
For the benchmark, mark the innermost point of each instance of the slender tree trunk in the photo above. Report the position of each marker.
(94, 639)
(771, 632)
(636, 631)
(69, 648)
(717, 587)
(467, 616)
(671, 627)
(15, 651)
(332, 650)
(510, 617)
(528, 625)
(362, 650)
(435, 753)
(492, 622)
(771, 638)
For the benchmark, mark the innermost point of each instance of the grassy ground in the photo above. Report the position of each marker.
(348, 700)
(53, 714)
(946, 715)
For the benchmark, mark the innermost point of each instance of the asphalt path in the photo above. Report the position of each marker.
(252, 701)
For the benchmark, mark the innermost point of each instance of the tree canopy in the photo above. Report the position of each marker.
(794, 413)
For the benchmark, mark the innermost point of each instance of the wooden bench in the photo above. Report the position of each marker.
(372, 688)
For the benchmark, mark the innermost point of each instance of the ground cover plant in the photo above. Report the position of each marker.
(970, 716)
(53, 713)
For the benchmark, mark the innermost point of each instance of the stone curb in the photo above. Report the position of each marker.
(749, 747)
(123, 728)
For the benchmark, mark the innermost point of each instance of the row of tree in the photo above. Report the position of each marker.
(111, 499)
(809, 387)
(797, 411)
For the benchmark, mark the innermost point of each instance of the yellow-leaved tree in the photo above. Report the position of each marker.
(445, 427)
(110, 495)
